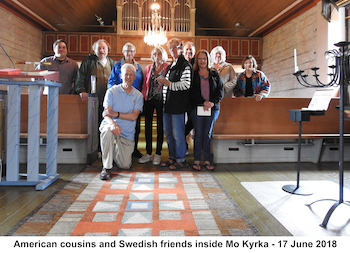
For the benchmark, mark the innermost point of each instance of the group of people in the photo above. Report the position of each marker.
(185, 95)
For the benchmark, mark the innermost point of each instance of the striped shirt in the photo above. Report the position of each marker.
(183, 84)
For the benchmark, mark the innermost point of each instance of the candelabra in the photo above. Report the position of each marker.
(337, 55)
(340, 76)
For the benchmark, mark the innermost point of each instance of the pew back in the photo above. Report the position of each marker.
(72, 117)
(244, 118)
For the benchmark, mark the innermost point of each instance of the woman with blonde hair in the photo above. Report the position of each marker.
(152, 93)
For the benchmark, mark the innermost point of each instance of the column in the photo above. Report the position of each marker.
(33, 133)
(140, 21)
(172, 20)
(193, 22)
(13, 130)
(52, 131)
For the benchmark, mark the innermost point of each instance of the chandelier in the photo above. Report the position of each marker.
(155, 35)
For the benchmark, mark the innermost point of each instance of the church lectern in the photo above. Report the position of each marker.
(32, 177)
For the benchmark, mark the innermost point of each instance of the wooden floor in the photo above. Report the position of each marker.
(231, 176)
(18, 202)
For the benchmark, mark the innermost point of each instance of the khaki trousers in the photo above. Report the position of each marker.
(120, 152)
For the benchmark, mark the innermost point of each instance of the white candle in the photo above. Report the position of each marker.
(93, 84)
(295, 61)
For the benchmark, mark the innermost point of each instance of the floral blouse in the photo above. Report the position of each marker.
(155, 90)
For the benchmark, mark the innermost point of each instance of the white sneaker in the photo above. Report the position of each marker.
(145, 158)
(156, 159)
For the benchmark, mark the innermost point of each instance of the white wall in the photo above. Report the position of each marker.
(308, 34)
(22, 41)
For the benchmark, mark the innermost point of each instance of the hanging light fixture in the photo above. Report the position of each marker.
(155, 35)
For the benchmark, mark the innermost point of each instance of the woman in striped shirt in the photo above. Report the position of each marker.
(176, 87)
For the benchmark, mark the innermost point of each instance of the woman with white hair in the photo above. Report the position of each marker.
(225, 69)
(152, 93)
(176, 89)
(129, 51)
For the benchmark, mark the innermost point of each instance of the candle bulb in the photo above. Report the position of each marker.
(295, 61)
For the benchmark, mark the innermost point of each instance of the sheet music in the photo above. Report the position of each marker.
(320, 100)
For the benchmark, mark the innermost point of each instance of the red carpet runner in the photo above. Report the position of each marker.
(132, 203)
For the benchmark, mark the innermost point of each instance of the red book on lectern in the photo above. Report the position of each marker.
(10, 72)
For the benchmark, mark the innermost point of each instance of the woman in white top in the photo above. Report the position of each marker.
(225, 69)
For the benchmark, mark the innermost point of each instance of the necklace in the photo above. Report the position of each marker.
(157, 69)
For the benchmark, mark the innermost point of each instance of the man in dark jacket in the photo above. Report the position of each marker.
(94, 72)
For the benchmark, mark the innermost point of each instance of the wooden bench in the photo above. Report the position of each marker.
(250, 131)
(77, 129)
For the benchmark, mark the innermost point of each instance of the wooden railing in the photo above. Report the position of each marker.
(80, 45)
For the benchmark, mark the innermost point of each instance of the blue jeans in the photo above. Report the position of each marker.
(203, 127)
(174, 128)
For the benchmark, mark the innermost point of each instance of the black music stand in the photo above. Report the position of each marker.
(300, 115)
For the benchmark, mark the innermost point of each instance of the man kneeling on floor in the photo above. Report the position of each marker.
(122, 105)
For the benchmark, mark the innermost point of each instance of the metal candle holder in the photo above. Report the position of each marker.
(340, 76)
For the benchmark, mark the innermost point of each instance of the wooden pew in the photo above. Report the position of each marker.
(250, 131)
(76, 139)
(72, 117)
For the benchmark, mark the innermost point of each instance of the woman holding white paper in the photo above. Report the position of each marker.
(206, 92)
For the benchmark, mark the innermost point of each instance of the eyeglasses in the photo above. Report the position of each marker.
(171, 48)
